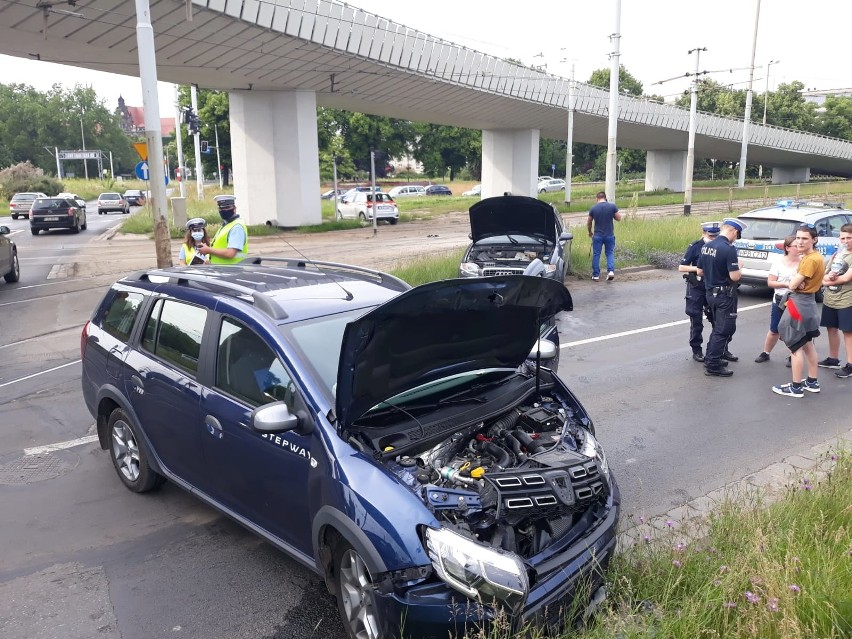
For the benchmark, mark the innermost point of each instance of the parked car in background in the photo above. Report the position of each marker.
(409, 190)
(762, 241)
(74, 197)
(438, 189)
(19, 205)
(329, 195)
(359, 189)
(476, 190)
(112, 202)
(550, 185)
(10, 267)
(57, 213)
(361, 205)
(135, 197)
(397, 442)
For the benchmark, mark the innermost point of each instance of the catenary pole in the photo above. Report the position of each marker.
(199, 169)
(179, 142)
(747, 117)
(218, 157)
(765, 102)
(153, 132)
(569, 144)
(373, 187)
(611, 151)
(690, 149)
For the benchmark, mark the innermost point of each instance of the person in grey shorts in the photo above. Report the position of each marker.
(837, 304)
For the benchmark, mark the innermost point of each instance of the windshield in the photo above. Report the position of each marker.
(319, 341)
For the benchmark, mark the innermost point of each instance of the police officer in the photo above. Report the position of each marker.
(230, 244)
(696, 297)
(719, 265)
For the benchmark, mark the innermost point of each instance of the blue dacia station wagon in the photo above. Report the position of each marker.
(410, 446)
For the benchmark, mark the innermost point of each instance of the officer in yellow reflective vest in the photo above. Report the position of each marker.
(230, 244)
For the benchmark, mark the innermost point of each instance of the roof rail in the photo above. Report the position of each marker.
(259, 299)
(386, 279)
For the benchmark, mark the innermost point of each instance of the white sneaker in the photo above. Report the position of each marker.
(595, 278)
(610, 276)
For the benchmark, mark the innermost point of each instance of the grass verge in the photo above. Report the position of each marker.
(777, 571)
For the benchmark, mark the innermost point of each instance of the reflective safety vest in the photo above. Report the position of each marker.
(189, 253)
(220, 241)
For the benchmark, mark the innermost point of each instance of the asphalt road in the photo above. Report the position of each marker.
(84, 557)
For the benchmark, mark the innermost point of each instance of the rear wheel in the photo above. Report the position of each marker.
(33, 231)
(76, 227)
(362, 217)
(128, 457)
(14, 217)
(393, 220)
(355, 599)
(85, 224)
(15, 274)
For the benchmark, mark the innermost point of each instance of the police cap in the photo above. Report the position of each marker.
(225, 202)
(196, 222)
(735, 223)
(711, 228)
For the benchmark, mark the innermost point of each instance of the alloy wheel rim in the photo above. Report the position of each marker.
(355, 582)
(125, 451)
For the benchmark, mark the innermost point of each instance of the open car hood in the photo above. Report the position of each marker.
(441, 329)
(512, 215)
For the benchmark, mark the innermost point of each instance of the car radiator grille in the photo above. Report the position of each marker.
(490, 271)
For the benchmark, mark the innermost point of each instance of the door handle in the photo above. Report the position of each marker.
(137, 383)
(214, 427)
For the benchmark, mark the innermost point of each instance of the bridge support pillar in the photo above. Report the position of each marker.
(665, 170)
(274, 149)
(790, 175)
(509, 162)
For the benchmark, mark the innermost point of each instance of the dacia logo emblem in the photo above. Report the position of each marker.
(751, 245)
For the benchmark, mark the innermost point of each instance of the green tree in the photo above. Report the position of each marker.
(626, 82)
(33, 123)
(836, 118)
(388, 137)
(441, 147)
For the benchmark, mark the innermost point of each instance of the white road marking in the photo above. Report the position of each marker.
(41, 450)
(636, 331)
(49, 370)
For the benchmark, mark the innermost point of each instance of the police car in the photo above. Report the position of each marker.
(762, 242)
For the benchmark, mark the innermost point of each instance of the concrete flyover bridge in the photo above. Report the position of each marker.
(279, 59)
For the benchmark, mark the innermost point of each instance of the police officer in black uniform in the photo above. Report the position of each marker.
(696, 297)
(719, 265)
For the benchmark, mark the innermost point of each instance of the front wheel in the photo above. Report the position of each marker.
(355, 599)
(128, 457)
(542, 191)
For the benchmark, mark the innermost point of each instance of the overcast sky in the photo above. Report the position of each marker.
(808, 38)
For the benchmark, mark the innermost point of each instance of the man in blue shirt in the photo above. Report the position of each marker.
(603, 214)
(696, 295)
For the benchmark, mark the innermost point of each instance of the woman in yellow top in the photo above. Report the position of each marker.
(196, 236)
(800, 323)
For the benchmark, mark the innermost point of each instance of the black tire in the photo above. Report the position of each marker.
(542, 191)
(355, 600)
(85, 224)
(362, 217)
(129, 457)
(33, 231)
(15, 274)
(393, 220)
(339, 215)
(14, 217)
(76, 227)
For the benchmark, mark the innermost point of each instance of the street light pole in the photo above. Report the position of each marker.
(690, 149)
(747, 117)
(569, 152)
(765, 102)
(83, 135)
(611, 151)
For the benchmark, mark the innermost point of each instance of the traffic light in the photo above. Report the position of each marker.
(191, 120)
(204, 146)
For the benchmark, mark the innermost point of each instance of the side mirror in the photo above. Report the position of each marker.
(273, 418)
(5, 230)
(565, 235)
(548, 350)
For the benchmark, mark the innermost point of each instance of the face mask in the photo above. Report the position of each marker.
(227, 215)
(198, 235)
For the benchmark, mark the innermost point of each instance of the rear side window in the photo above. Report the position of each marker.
(173, 333)
(760, 229)
(120, 317)
(830, 226)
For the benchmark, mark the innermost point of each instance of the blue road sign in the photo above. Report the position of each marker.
(143, 172)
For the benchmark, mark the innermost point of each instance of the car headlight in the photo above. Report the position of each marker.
(550, 267)
(470, 269)
(591, 447)
(481, 573)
